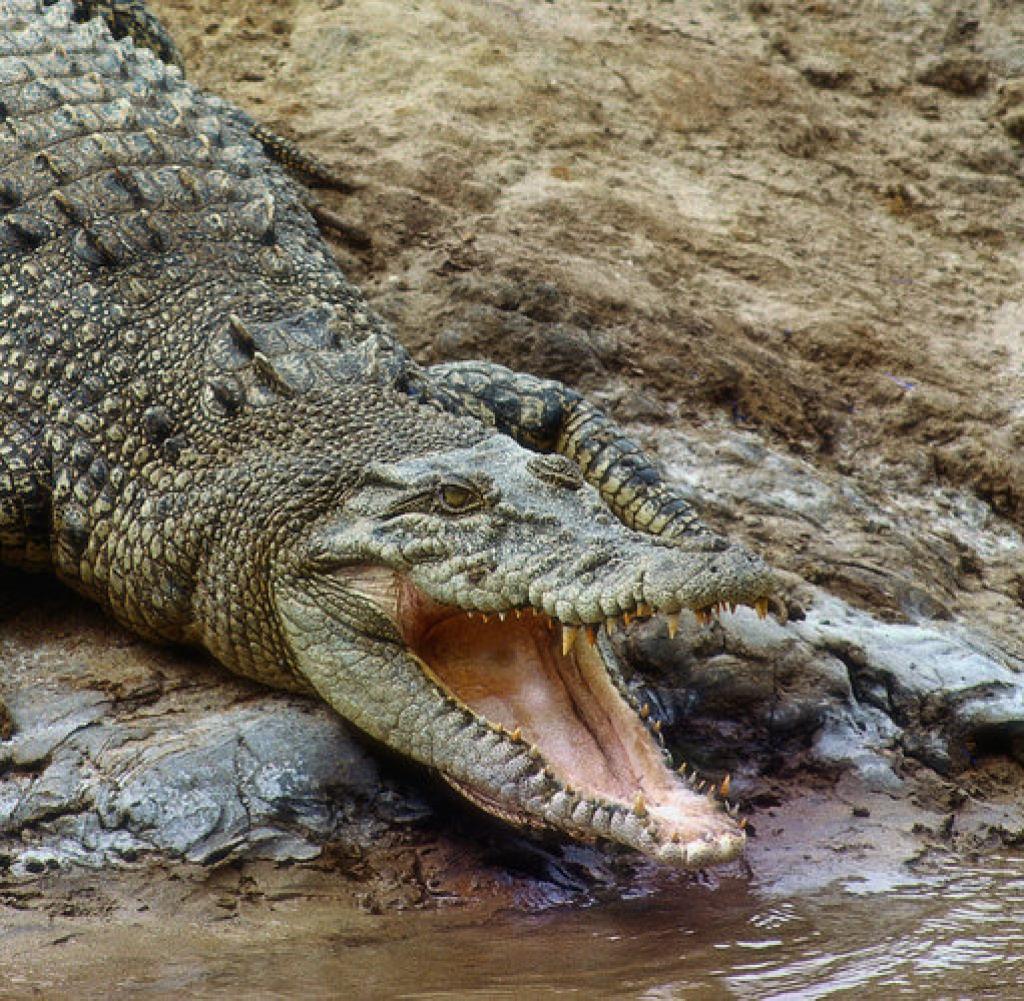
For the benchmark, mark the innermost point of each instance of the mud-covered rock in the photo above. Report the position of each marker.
(115, 750)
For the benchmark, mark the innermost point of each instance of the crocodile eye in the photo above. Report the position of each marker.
(454, 496)
(458, 498)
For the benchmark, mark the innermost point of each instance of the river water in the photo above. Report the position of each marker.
(955, 931)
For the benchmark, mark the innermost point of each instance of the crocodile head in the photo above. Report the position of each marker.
(457, 606)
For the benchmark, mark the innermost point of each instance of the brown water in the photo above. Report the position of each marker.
(956, 931)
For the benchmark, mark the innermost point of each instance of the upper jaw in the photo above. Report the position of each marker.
(660, 580)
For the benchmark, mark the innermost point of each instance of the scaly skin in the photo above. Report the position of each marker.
(206, 430)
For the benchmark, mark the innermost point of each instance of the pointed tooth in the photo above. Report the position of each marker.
(591, 632)
(640, 805)
(517, 733)
(723, 789)
(645, 710)
(501, 616)
(609, 625)
(568, 639)
(627, 617)
(761, 607)
(682, 768)
(673, 625)
(644, 611)
(656, 726)
(676, 838)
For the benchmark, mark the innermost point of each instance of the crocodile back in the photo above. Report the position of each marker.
(155, 267)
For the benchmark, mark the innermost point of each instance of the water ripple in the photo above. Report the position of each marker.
(957, 932)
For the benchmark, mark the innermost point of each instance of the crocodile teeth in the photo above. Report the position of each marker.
(644, 611)
(568, 639)
(673, 625)
(610, 624)
(517, 733)
(761, 607)
(723, 789)
(591, 632)
(640, 805)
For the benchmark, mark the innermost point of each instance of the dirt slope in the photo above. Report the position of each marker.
(802, 219)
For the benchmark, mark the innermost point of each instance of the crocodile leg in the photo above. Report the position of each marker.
(297, 161)
(547, 416)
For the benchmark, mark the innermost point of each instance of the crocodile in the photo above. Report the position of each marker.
(208, 431)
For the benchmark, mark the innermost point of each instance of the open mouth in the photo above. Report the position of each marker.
(558, 694)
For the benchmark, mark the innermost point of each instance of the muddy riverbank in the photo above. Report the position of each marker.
(780, 241)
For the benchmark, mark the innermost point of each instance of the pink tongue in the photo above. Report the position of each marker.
(512, 674)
